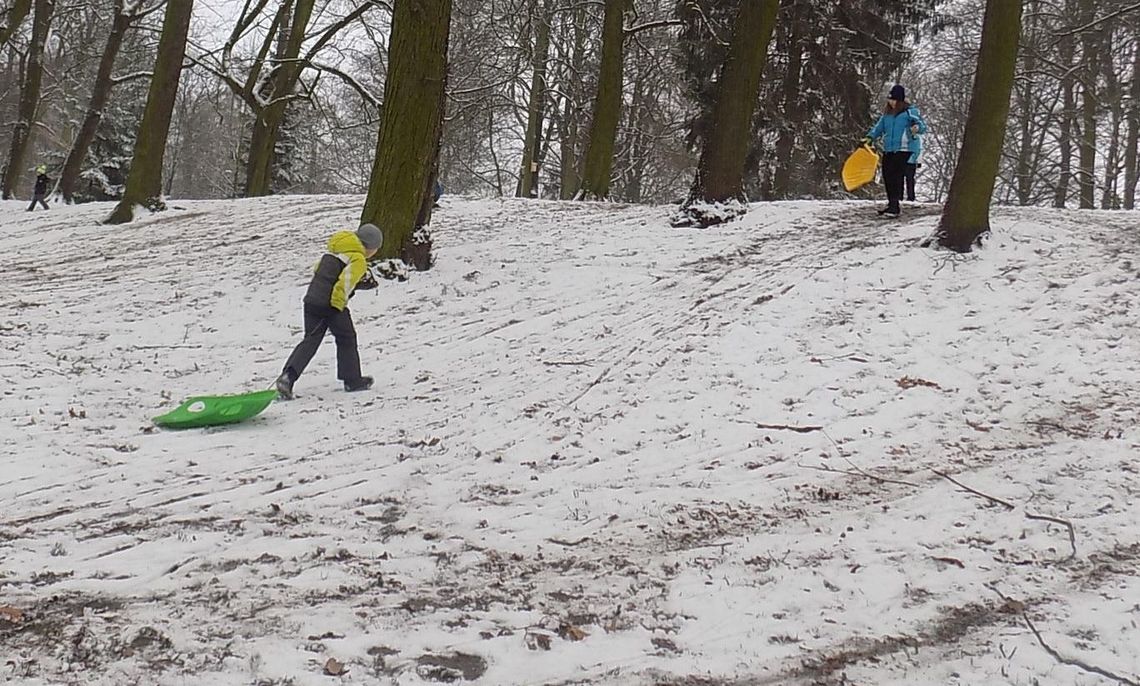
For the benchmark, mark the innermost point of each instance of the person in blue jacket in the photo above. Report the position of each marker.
(899, 119)
(914, 145)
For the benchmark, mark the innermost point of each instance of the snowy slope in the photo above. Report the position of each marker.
(600, 451)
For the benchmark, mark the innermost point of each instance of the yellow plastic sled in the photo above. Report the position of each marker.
(859, 169)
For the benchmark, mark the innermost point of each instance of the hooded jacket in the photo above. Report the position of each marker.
(337, 272)
(892, 128)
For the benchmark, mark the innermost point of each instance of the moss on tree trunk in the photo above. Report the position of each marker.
(607, 107)
(966, 214)
(144, 185)
(399, 193)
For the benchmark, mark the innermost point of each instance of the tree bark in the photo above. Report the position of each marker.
(966, 214)
(607, 107)
(144, 184)
(1090, 53)
(29, 97)
(570, 180)
(1068, 114)
(1131, 170)
(1025, 93)
(100, 94)
(16, 15)
(785, 143)
(399, 195)
(720, 172)
(269, 118)
(536, 105)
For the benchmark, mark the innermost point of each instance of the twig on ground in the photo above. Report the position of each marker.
(1010, 506)
(1073, 662)
(860, 472)
(788, 427)
(569, 544)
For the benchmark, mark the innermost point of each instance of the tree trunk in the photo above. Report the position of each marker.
(720, 172)
(1068, 113)
(966, 215)
(411, 123)
(144, 184)
(1025, 93)
(536, 106)
(100, 93)
(785, 143)
(269, 118)
(1113, 96)
(1130, 148)
(15, 17)
(569, 178)
(607, 107)
(29, 97)
(1090, 52)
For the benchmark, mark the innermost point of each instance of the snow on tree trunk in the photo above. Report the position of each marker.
(100, 93)
(966, 214)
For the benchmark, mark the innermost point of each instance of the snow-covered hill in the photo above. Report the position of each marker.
(600, 451)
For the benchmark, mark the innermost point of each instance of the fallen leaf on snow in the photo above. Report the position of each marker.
(909, 382)
(11, 614)
(335, 667)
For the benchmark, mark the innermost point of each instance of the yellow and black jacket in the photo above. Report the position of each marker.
(337, 272)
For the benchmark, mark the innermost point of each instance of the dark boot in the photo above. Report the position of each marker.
(361, 384)
(284, 385)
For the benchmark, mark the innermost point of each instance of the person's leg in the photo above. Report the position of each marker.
(32, 206)
(347, 354)
(316, 323)
(43, 203)
(910, 170)
(893, 168)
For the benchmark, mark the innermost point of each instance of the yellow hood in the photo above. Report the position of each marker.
(345, 242)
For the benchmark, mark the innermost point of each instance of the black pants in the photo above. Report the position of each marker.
(318, 320)
(894, 169)
(40, 200)
(909, 177)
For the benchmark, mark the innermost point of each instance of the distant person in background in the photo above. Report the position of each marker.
(437, 193)
(41, 190)
(914, 146)
(898, 118)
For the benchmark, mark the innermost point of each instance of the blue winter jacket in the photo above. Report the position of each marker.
(914, 146)
(892, 128)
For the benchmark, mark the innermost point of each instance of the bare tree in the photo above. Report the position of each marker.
(29, 97)
(966, 215)
(407, 151)
(720, 172)
(144, 185)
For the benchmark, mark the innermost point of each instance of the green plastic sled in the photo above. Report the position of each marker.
(215, 410)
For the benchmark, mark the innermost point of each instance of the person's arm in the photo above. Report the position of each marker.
(877, 130)
(917, 120)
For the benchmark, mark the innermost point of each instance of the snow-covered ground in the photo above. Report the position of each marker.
(600, 451)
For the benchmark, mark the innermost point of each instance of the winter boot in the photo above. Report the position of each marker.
(284, 386)
(361, 384)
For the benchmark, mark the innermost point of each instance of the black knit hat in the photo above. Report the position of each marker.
(898, 93)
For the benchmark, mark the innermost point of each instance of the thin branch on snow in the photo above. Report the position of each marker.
(858, 472)
(1073, 662)
(1010, 506)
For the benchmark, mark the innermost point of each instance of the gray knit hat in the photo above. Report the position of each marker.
(371, 236)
